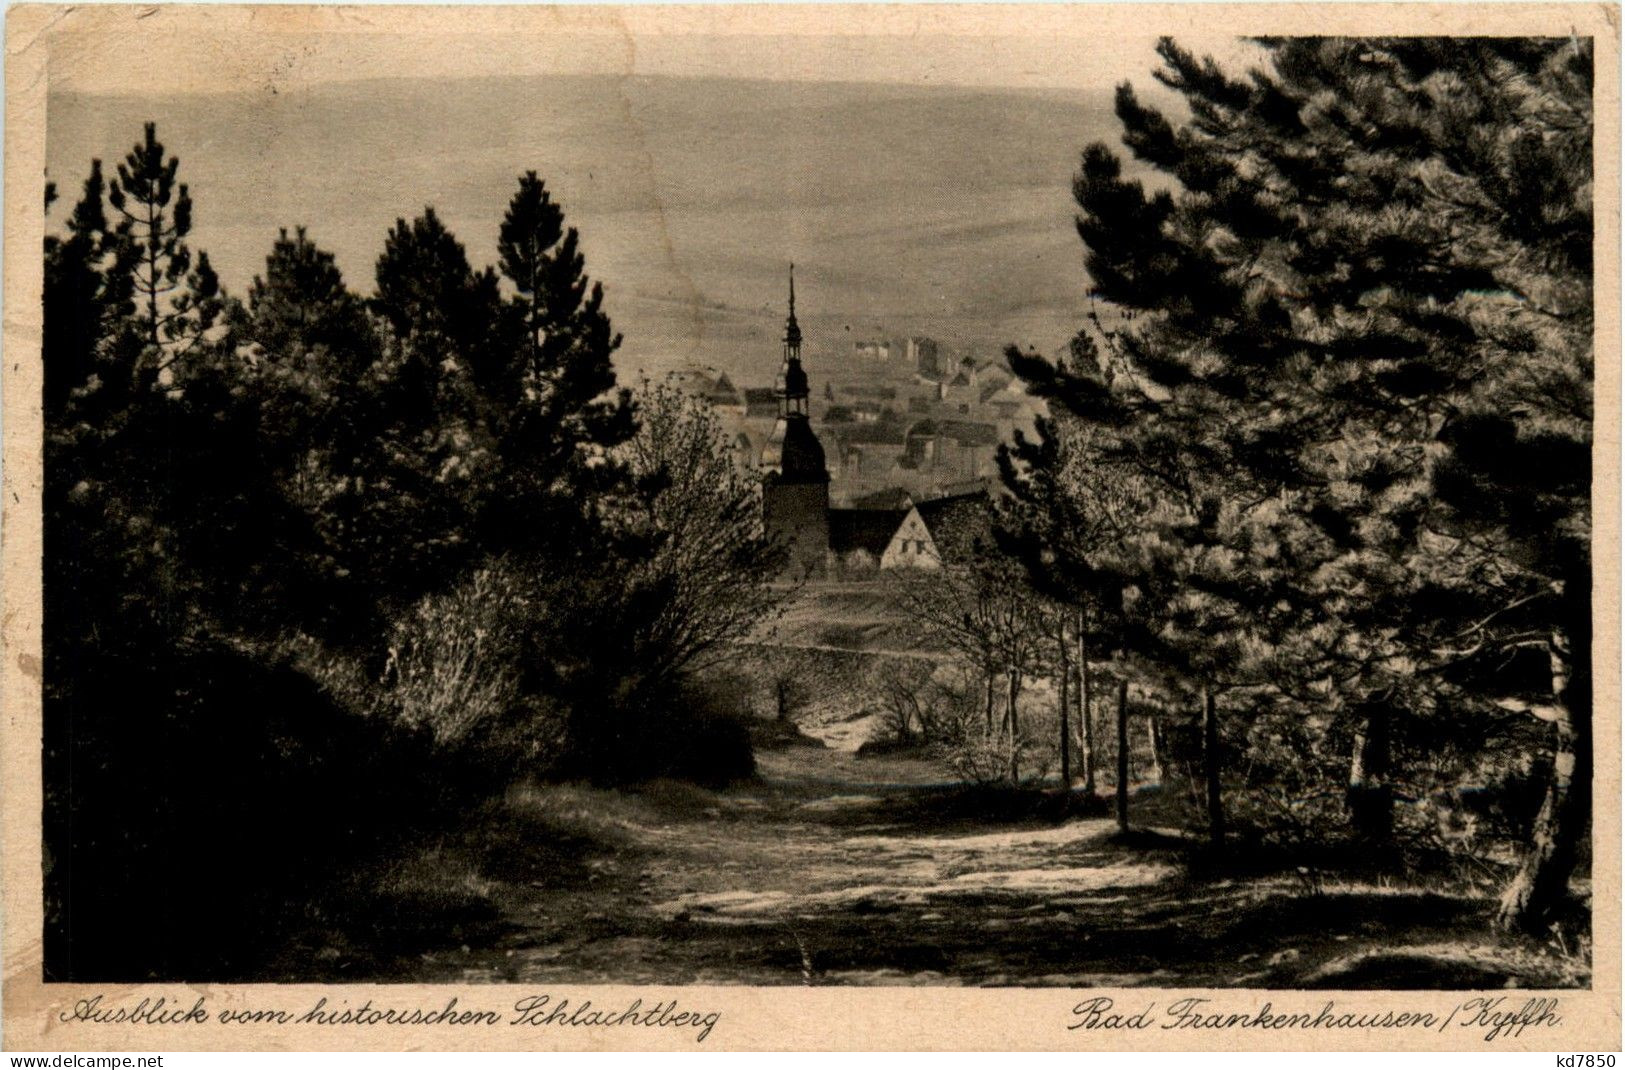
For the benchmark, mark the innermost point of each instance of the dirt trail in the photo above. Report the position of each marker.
(834, 869)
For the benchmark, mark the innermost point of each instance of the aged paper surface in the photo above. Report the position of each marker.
(79, 81)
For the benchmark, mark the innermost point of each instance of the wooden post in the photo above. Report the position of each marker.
(1086, 715)
(1015, 728)
(1122, 755)
(1210, 767)
(1153, 732)
(990, 702)
(1066, 733)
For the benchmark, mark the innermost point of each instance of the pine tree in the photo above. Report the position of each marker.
(317, 414)
(1068, 516)
(426, 287)
(566, 415)
(177, 302)
(428, 467)
(302, 308)
(76, 301)
(1374, 272)
(531, 229)
(502, 415)
(1133, 517)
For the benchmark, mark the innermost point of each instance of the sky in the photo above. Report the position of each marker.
(989, 46)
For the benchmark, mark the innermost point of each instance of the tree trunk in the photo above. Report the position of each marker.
(1370, 797)
(1066, 729)
(1087, 717)
(151, 288)
(1542, 882)
(1210, 768)
(990, 702)
(1015, 728)
(1122, 755)
(1153, 734)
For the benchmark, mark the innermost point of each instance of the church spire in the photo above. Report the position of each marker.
(792, 383)
(792, 454)
(792, 329)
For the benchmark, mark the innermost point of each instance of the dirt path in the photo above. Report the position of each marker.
(838, 870)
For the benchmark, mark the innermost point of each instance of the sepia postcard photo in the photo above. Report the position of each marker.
(982, 526)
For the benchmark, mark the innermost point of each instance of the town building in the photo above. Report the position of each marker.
(887, 529)
(921, 354)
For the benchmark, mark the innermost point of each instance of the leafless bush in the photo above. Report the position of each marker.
(979, 756)
(453, 661)
(909, 699)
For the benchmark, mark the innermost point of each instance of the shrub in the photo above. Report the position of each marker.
(695, 733)
(456, 670)
(979, 756)
(196, 796)
(452, 666)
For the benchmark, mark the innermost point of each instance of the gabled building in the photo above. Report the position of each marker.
(858, 537)
(724, 397)
(942, 532)
(951, 449)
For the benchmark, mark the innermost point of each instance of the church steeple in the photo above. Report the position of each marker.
(795, 481)
(792, 384)
(792, 450)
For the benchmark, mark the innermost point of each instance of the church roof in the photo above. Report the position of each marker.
(869, 530)
(794, 452)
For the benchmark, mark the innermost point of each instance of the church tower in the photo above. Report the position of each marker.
(795, 482)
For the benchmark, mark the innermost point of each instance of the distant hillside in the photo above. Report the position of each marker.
(912, 209)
